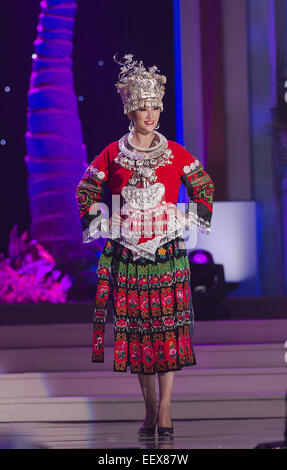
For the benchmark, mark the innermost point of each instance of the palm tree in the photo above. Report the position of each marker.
(56, 156)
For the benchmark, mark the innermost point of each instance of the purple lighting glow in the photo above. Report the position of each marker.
(200, 258)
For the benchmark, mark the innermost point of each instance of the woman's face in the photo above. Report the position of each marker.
(145, 119)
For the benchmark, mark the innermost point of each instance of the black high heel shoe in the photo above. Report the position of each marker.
(146, 432)
(164, 431)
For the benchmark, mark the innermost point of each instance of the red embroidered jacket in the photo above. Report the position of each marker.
(184, 169)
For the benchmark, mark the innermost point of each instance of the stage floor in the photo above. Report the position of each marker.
(189, 434)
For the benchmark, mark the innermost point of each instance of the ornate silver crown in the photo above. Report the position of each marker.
(139, 87)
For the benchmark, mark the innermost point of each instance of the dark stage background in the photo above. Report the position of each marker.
(102, 29)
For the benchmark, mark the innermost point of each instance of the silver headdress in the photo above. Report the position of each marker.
(139, 87)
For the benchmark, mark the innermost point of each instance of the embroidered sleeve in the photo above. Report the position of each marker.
(90, 198)
(200, 189)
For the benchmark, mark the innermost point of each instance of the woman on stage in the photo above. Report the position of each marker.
(144, 263)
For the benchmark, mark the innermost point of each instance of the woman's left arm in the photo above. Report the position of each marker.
(200, 189)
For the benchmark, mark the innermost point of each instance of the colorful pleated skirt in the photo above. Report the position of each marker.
(152, 309)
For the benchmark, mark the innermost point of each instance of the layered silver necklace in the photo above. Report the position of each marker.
(145, 202)
(143, 161)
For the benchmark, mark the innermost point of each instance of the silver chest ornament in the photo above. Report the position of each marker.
(144, 205)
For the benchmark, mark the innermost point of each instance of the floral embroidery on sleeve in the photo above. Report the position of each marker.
(200, 189)
(90, 192)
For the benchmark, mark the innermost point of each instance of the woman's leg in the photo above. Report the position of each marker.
(147, 383)
(165, 381)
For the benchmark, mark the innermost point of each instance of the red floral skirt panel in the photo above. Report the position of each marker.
(152, 309)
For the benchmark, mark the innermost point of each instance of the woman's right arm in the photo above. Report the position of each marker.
(90, 197)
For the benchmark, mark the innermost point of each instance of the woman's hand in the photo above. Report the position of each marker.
(172, 210)
(116, 219)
